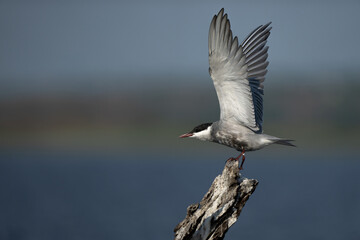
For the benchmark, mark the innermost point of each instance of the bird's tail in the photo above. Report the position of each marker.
(286, 142)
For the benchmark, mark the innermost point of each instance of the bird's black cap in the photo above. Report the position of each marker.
(200, 127)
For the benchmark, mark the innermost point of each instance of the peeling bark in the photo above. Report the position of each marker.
(220, 207)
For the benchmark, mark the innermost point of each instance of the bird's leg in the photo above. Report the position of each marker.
(243, 158)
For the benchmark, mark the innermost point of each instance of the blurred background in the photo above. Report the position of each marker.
(93, 97)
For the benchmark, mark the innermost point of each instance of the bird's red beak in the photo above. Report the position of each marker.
(186, 135)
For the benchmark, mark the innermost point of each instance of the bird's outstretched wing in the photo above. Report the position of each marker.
(238, 71)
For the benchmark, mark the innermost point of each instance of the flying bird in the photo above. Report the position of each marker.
(238, 73)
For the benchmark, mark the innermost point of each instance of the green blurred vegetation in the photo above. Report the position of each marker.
(317, 114)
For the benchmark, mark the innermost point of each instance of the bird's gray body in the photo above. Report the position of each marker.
(237, 136)
(238, 73)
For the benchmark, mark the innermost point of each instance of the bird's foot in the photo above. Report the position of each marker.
(231, 159)
(238, 158)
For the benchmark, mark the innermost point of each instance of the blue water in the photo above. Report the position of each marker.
(127, 196)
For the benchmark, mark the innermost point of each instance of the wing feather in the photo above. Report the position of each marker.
(238, 71)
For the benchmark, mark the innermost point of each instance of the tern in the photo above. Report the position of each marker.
(238, 73)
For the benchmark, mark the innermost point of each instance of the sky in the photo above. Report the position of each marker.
(53, 40)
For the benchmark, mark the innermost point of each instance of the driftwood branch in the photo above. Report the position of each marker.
(219, 208)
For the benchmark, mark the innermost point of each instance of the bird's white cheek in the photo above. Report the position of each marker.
(203, 135)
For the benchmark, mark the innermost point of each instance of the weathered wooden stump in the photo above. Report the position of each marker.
(219, 208)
